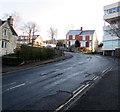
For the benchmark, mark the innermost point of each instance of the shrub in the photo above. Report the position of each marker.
(28, 53)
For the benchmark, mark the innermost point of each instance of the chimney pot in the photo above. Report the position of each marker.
(81, 28)
(10, 20)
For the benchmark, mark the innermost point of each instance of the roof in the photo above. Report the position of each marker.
(74, 32)
(12, 29)
(34, 37)
(87, 32)
(79, 32)
(2, 22)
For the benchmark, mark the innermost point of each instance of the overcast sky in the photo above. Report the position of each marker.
(60, 14)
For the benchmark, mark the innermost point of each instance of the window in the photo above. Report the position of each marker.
(26, 38)
(113, 10)
(67, 36)
(22, 37)
(87, 44)
(83, 44)
(4, 44)
(73, 36)
(110, 11)
(105, 12)
(90, 44)
(83, 37)
(90, 37)
(72, 42)
(5, 32)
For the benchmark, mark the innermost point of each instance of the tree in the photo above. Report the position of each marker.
(31, 28)
(100, 45)
(52, 33)
(114, 29)
(60, 44)
(77, 43)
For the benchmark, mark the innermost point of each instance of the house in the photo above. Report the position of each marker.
(87, 39)
(8, 37)
(36, 40)
(112, 20)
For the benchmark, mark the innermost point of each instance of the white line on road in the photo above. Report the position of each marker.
(8, 84)
(16, 86)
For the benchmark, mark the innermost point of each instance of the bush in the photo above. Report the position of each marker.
(28, 53)
(13, 61)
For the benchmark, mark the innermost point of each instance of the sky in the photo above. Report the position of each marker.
(62, 15)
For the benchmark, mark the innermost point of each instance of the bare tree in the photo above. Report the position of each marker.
(31, 28)
(52, 33)
(114, 29)
(16, 19)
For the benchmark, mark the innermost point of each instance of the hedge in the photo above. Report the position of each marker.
(34, 53)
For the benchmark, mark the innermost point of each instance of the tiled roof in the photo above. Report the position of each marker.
(2, 22)
(24, 39)
(87, 32)
(74, 32)
(12, 29)
(79, 32)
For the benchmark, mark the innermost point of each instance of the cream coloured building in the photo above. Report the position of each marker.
(8, 37)
(23, 39)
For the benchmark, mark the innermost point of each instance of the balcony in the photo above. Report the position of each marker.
(112, 17)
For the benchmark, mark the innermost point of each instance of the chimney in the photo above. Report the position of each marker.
(0, 22)
(81, 28)
(10, 21)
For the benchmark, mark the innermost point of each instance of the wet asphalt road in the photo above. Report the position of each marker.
(48, 86)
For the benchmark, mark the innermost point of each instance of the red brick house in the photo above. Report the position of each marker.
(87, 39)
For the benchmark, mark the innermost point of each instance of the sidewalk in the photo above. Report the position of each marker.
(104, 95)
(6, 69)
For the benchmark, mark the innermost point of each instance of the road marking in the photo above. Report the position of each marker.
(60, 107)
(9, 84)
(78, 89)
(92, 78)
(107, 70)
(104, 70)
(16, 86)
(95, 78)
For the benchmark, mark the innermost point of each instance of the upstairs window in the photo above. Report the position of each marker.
(83, 37)
(73, 37)
(4, 44)
(5, 32)
(90, 38)
(67, 37)
(113, 10)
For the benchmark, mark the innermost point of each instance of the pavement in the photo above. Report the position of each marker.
(104, 95)
(7, 69)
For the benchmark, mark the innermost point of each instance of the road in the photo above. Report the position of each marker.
(47, 87)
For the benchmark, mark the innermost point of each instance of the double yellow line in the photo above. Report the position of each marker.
(75, 93)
